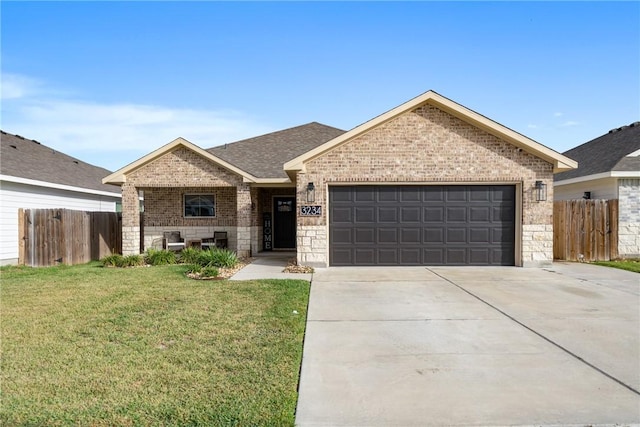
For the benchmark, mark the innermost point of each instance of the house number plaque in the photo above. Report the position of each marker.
(310, 210)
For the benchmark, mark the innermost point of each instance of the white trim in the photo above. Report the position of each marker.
(634, 154)
(611, 174)
(57, 186)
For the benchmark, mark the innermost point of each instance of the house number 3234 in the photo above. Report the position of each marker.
(310, 210)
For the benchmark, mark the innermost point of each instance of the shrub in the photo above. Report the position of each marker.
(115, 260)
(209, 272)
(132, 261)
(193, 268)
(160, 256)
(190, 255)
(216, 257)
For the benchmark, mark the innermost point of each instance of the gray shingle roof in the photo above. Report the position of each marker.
(25, 158)
(606, 153)
(264, 156)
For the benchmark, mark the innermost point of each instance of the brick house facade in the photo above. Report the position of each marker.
(429, 142)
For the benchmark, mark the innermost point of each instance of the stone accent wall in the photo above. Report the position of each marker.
(537, 245)
(629, 217)
(130, 240)
(312, 245)
(428, 145)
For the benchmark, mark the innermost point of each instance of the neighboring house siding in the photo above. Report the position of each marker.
(14, 196)
(429, 145)
(604, 188)
(629, 217)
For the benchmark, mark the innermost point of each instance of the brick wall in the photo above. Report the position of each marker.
(428, 145)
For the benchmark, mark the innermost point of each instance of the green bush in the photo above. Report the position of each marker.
(115, 260)
(193, 268)
(160, 256)
(190, 255)
(132, 261)
(216, 257)
(209, 272)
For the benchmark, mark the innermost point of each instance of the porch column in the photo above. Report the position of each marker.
(243, 201)
(130, 220)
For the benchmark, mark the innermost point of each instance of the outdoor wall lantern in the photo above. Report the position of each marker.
(311, 193)
(587, 195)
(541, 191)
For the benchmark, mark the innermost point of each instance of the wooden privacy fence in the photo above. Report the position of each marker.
(585, 230)
(62, 236)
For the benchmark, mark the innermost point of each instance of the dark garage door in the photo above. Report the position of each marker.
(422, 225)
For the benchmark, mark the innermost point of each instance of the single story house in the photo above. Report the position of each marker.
(609, 169)
(429, 182)
(34, 176)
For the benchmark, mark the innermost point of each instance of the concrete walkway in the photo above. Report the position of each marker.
(472, 346)
(269, 265)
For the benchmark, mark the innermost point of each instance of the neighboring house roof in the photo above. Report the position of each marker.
(616, 153)
(263, 156)
(30, 162)
(559, 161)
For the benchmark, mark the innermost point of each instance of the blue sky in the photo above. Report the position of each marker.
(110, 82)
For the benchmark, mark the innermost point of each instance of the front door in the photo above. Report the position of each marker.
(284, 222)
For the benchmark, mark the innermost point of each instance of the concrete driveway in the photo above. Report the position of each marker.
(471, 346)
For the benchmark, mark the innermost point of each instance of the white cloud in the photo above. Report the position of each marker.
(531, 126)
(570, 123)
(15, 86)
(100, 133)
(557, 114)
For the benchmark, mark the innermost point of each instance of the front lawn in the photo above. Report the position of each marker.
(88, 345)
(624, 264)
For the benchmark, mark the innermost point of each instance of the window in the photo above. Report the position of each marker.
(201, 205)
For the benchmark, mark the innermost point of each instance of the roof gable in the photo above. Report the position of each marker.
(615, 151)
(559, 161)
(120, 176)
(28, 159)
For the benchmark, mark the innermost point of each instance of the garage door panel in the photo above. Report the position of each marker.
(388, 256)
(342, 235)
(410, 256)
(365, 256)
(364, 236)
(422, 225)
(456, 214)
(410, 214)
(433, 236)
(364, 214)
(479, 214)
(410, 235)
(364, 194)
(388, 194)
(387, 236)
(388, 214)
(456, 235)
(341, 215)
(433, 214)
(341, 194)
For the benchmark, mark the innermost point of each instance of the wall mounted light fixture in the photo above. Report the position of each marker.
(587, 195)
(541, 191)
(311, 193)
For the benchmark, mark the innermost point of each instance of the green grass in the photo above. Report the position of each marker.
(88, 345)
(624, 264)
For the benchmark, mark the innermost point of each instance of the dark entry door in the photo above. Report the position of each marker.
(422, 225)
(284, 222)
